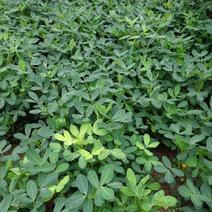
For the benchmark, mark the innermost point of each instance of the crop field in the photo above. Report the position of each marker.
(105, 106)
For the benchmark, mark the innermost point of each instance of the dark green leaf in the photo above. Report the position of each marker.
(82, 184)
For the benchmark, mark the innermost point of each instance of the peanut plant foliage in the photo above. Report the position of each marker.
(105, 105)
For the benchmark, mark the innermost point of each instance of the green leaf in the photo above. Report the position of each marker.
(107, 174)
(115, 185)
(103, 154)
(32, 155)
(70, 156)
(47, 179)
(89, 110)
(146, 138)
(159, 199)
(71, 44)
(74, 131)
(210, 180)
(209, 144)
(46, 194)
(140, 145)
(75, 201)
(87, 155)
(59, 204)
(6, 202)
(208, 164)
(88, 206)
(166, 162)
(160, 168)
(131, 178)
(52, 107)
(107, 193)
(169, 201)
(35, 61)
(53, 158)
(82, 184)
(192, 161)
(147, 206)
(60, 137)
(55, 147)
(144, 180)
(154, 186)
(83, 129)
(177, 172)
(122, 116)
(184, 191)
(169, 177)
(62, 168)
(3, 145)
(98, 200)
(153, 145)
(82, 162)
(197, 201)
(33, 95)
(32, 189)
(1, 59)
(197, 138)
(126, 191)
(62, 183)
(177, 90)
(148, 153)
(117, 153)
(2, 102)
(93, 179)
(97, 130)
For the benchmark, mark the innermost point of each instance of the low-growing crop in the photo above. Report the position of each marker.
(105, 105)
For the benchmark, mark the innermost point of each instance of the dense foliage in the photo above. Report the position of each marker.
(105, 105)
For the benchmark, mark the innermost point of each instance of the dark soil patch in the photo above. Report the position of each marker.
(209, 13)
(163, 150)
(18, 126)
(50, 206)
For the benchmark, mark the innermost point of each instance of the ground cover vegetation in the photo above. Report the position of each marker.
(105, 105)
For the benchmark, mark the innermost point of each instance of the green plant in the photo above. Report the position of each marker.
(147, 145)
(141, 194)
(80, 144)
(168, 170)
(105, 86)
(195, 195)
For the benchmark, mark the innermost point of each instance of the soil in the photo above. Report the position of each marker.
(50, 206)
(163, 150)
